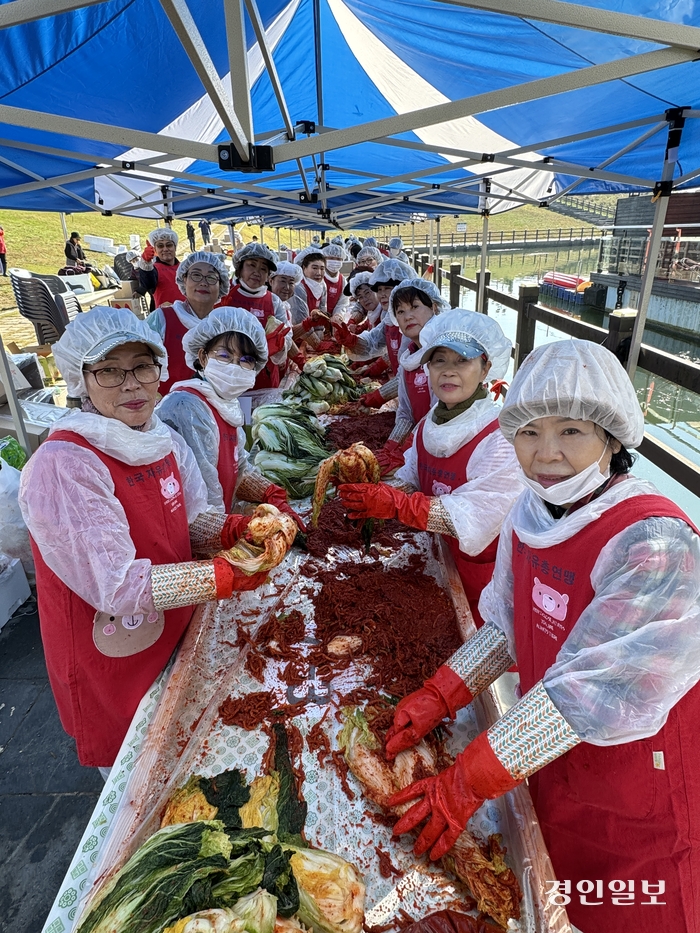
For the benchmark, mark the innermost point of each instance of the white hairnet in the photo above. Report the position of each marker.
(308, 251)
(162, 233)
(396, 243)
(339, 240)
(370, 241)
(461, 328)
(316, 240)
(288, 268)
(92, 334)
(574, 379)
(214, 260)
(132, 254)
(362, 278)
(223, 321)
(429, 288)
(334, 251)
(391, 270)
(369, 252)
(254, 251)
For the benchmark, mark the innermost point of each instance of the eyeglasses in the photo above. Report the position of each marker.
(223, 356)
(211, 278)
(168, 244)
(110, 377)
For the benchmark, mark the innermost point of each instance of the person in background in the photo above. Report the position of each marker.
(307, 327)
(202, 278)
(190, 235)
(365, 311)
(225, 350)
(312, 287)
(370, 241)
(116, 506)
(73, 251)
(396, 249)
(413, 304)
(254, 239)
(253, 265)
(3, 253)
(336, 300)
(461, 474)
(596, 595)
(205, 230)
(385, 336)
(158, 268)
(369, 256)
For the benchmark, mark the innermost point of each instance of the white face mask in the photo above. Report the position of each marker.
(229, 380)
(333, 265)
(394, 252)
(572, 489)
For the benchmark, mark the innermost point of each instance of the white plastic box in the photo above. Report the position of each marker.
(14, 590)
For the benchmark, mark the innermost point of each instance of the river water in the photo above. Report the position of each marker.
(672, 414)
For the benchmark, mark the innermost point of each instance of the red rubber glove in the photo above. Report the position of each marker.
(367, 500)
(234, 528)
(342, 334)
(418, 713)
(376, 368)
(451, 798)
(372, 399)
(148, 254)
(275, 495)
(275, 339)
(300, 361)
(390, 457)
(230, 579)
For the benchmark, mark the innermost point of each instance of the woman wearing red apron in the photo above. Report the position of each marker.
(157, 267)
(413, 303)
(253, 264)
(225, 351)
(336, 299)
(203, 279)
(595, 595)
(116, 505)
(460, 476)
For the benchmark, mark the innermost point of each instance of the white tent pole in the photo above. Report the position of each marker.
(13, 401)
(437, 279)
(191, 40)
(413, 242)
(676, 122)
(63, 225)
(484, 202)
(431, 251)
(238, 64)
(480, 103)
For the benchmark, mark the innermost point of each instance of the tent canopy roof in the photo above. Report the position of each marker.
(372, 112)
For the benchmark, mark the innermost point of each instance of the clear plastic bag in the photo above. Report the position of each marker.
(14, 534)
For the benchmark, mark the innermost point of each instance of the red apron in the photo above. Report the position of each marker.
(166, 290)
(263, 308)
(393, 345)
(227, 462)
(96, 695)
(438, 477)
(311, 300)
(178, 370)
(335, 290)
(617, 813)
(418, 389)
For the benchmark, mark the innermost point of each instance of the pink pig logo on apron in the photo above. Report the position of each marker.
(440, 489)
(169, 486)
(420, 379)
(553, 603)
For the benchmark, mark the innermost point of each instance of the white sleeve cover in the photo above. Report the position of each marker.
(280, 313)
(193, 485)
(408, 473)
(635, 650)
(369, 345)
(192, 419)
(477, 508)
(156, 321)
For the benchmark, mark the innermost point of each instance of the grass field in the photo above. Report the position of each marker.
(35, 241)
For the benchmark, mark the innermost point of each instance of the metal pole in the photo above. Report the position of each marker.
(662, 192)
(482, 273)
(13, 401)
(63, 224)
(262, 239)
(413, 240)
(438, 277)
(431, 251)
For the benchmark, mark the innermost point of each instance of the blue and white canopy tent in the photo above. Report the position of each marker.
(357, 112)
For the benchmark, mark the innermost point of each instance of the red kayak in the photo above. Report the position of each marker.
(563, 281)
